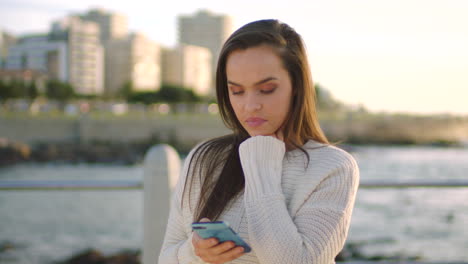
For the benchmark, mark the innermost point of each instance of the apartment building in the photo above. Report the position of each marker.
(134, 59)
(112, 25)
(188, 66)
(6, 41)
(205, 29)
(38, 52)
(85, 53)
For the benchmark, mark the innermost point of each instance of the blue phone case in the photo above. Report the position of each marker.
(221, 231)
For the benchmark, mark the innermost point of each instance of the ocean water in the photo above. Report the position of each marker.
(427, 222)
(45, 226)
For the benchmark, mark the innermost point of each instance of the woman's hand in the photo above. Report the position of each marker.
(209, 250)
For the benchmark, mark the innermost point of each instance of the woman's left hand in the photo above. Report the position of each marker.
(211, 251)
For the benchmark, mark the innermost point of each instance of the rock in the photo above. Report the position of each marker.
(12, 152)
(92, 256)
(352, 251)
(125, 257)
(89, 256)
(7, 246)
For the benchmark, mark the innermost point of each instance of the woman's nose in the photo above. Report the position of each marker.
(252, 104)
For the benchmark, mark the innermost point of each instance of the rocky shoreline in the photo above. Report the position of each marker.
(17, 152)
(93, 256)
(94, 152)
(68, 152)
(351, 252)
(12, 152)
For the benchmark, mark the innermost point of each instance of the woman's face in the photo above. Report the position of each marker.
(259, 90)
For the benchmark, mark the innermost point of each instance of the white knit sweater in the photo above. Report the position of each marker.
(291, 211)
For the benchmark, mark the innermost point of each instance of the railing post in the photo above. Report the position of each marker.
(161, 171)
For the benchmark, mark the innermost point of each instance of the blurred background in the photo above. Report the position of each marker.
(87, 87)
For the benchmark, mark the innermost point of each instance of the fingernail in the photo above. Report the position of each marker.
(228, 245)
(239, 250)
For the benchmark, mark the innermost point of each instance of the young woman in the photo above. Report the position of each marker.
(277, 181)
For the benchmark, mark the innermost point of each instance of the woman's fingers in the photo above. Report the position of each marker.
(221, 253)
(210, 250)
(205, 243)
(196, 238)
(234, 253)
(221, 248)
(227, 256)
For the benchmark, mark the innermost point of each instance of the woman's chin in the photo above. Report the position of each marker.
(267, 134)
(260, 134)
(255, 133)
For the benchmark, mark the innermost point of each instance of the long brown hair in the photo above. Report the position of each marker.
(300, 125)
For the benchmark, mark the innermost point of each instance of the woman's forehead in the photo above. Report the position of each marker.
(258, 63)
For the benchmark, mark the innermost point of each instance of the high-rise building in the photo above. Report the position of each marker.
(134, 59)
(37, 52)
(6, 41)
(112, 25)
(188, 66)
(114, 36)
(206, 30)
(85, 53)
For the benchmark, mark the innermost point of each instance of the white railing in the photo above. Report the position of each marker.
(160, 173)
(162, 166)
(28, 185)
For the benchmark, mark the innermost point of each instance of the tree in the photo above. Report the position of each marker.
(59, 90)
(13, 89)
(142, 97)
(18, 89)
(173, 93)
(32, 90)
(126, 89)
(166, 94)
(170, 94)
(325, 100)
(4, 90)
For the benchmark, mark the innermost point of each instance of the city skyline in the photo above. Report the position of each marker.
(398, 57)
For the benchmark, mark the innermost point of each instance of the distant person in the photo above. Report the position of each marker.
(276, 179)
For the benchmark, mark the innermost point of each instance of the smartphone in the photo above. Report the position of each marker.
(221, 231)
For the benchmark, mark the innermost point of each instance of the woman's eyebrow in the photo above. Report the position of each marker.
(257, 83)
(265, 80)
(233, 83)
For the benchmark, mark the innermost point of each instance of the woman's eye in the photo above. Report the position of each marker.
(236, 92)
(268, 91)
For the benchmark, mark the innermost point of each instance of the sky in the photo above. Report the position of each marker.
(406, 56)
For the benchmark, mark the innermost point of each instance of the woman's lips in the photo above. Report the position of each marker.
(255, 121)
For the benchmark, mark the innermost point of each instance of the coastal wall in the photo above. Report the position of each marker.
(86, 129)
(398, 130)
(194, 128)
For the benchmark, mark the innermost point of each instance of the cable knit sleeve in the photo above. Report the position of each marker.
(177, 246)
(317, 231)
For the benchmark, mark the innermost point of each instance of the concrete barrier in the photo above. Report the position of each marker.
(186, 128)
(161, 172)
